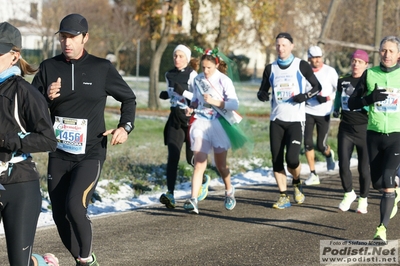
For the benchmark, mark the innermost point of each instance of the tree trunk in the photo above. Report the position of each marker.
(154, 101)
(194, 9)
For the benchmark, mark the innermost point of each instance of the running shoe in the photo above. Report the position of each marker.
(348, 199)
(204, 188)
(312, 180)
(191, 205)
(95, 197)
(298, 193)
(230, 201)
(47, 259)
(396, 200)
(282, 203)
(330, 162)
(91, 263)
(380, 234)
(362, 205)
(168, 200)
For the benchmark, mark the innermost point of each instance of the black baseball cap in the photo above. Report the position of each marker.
(285, 35)
(74, 24)
(10, 36)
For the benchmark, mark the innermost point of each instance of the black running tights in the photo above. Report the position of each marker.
(71, 186)
(20, 208)
(176, 138)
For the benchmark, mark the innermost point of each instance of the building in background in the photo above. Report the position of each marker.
(27, 11)
(26, 15)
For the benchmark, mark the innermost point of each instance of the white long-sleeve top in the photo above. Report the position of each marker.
(174, 97)
(220, 87)
(327, 77)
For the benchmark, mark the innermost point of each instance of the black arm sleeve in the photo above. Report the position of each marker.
(265, 84)
(120, 91)
(356, 100)
(308, 73)
(39, 82)
(35, 118)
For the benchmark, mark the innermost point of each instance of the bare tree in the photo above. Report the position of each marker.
(95, 11)
(161, 19)
(354, 27)
(229, 24)
(194, 34)
(123, 32)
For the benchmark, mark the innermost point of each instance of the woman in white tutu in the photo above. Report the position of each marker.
(214, 102)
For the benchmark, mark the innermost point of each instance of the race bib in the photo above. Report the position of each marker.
(206, 111)
(283, 92)
(231, 116)
(71, 134)
(389, 105)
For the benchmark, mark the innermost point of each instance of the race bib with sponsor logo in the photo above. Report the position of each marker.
(71, 134)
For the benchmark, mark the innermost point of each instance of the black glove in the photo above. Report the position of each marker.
(263, 96)
(376, 95)
(322, 99)
(336, 113)
(302, 97)
(95, 197)
(178, 88)
(164, 95)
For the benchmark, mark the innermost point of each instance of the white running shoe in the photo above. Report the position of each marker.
(312, 180)
(47, 259)
(362, 205)
(330, 162)
(348, 199)
(191, 205)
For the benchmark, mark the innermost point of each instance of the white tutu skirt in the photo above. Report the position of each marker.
(208, 135)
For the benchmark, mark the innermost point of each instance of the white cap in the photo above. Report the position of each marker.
(314, 51)
(185, 50)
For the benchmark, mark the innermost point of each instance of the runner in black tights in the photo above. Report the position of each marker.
(76, 85)
(176, 132)
(379, 89)
(25, 127)
(287, 79)
(352, 133)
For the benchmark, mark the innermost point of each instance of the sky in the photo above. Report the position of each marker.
(125, 201)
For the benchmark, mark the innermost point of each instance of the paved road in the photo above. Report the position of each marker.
(252, 234)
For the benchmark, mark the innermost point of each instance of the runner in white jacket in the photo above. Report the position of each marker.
(318, 112)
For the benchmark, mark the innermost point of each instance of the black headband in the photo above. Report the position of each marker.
(285, 35)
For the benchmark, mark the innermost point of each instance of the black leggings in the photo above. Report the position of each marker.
(383, 151)
(322, 123)
(21, 204)
(71, 185)
(285, 134)
(176, 138)
(350, 136)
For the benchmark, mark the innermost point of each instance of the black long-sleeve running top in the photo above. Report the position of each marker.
(85, 85)
(35, 121)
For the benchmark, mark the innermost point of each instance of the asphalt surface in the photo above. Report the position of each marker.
(252, 234)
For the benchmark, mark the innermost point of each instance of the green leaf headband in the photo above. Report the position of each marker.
(213, 52)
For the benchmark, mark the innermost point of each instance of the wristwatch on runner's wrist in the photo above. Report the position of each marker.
(128, 127)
